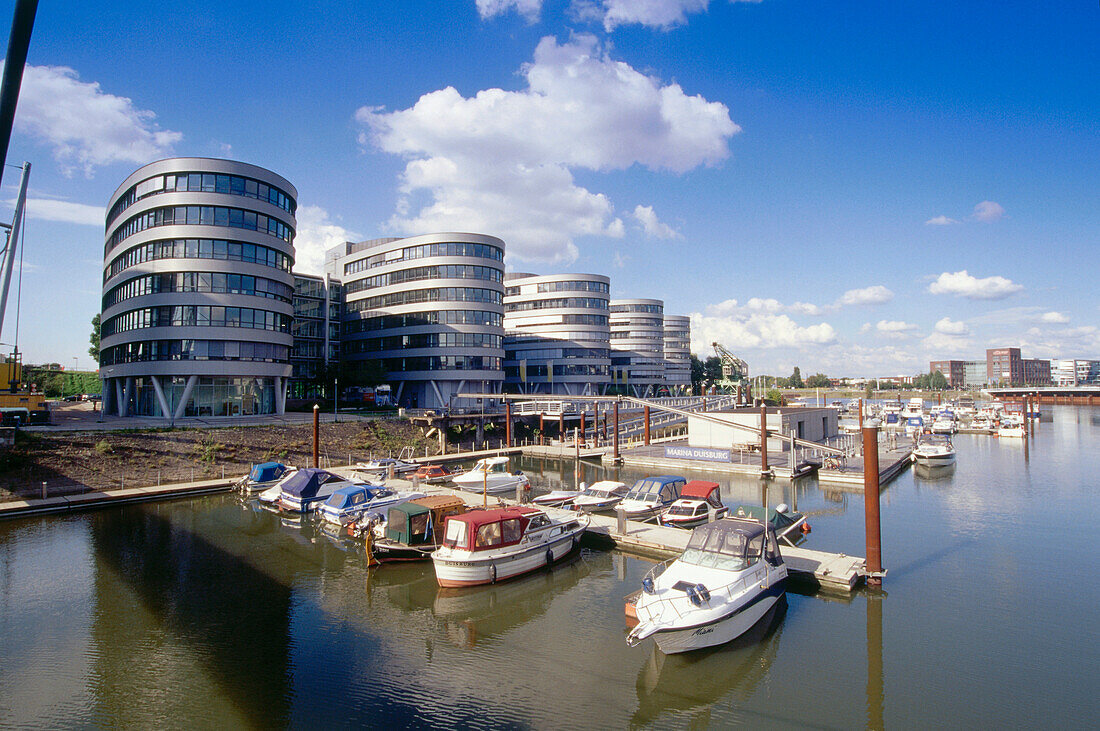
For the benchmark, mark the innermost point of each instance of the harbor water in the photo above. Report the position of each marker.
(210, 613)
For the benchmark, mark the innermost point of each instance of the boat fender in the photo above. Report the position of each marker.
(647, 585)
(549, 556)
(492, 573)
(806, 528)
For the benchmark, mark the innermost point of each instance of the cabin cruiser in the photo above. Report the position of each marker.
(932, 452)
(415, 528)
(943, 425)
(726, 580)
(359, 502)
(490, 475)
(384, 465)
(1012, 426)
(699, 502)
(650, 495)
(914, 408)
(307, 488)
(487, 546)
(914, 425)
(601, 496)
(263, 476)
(557, 498)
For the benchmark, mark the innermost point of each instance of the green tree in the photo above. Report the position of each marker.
(938, 381)
(712, 371)
(795, 380)
(774, 395)
(697, 374)
(94, 339)
(818, 380)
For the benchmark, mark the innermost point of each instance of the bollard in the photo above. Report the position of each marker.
(871, 506)
(620, 520)
(43, 490)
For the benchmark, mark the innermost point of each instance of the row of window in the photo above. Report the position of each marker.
(445, 271)
(425, 340)
(314, 329)
(196, 316)
(561, 303)
(199, 249)
(598, 320)
(304, 307)
(539, 370)
(213, 282)
(653, 309)
(516, 337)
(153, 350)
(201, 216)
(439, 294)
(451, 248)
(561, 286)
(552, 353)
(415, 319)
(306, 287)
(202, 183)
(617, 335)
(441, 363)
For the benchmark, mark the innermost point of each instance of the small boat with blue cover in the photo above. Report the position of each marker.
(307, 488)
(362, 502)
(263, 476)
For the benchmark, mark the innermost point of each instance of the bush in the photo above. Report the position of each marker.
(104, 447)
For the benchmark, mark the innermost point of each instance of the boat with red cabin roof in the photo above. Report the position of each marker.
(699, 502)
(487, 546)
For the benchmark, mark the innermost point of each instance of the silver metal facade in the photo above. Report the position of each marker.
(637, 346)
(197, 290)
(677, 343)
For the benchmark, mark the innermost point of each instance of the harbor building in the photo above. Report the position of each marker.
(197, 290)
(1005, 365)
(637, 346)
(1074, 372)
(953, 370)
(424, 313)
(318, 310)
(677, 345)
(557, 333)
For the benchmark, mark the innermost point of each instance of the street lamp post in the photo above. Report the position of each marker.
(335, 399)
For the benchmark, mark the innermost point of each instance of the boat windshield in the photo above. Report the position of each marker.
(644, 490)
(731, 550)
(456, 534)
(683, 509)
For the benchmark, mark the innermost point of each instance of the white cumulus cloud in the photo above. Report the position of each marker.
(873, 295)
(895, 326)
(988, 211)
(940, 221)
(316, 234)
(1054, 317)
(501, 162)
(662, 14)
(963, 284)
(87, 127)
(652, 226)
(947, 326)
(529, 9)
(52, 209)
(757, 330)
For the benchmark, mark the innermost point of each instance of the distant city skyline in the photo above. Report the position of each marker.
(851, 189)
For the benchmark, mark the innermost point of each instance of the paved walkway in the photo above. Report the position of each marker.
(80, 416)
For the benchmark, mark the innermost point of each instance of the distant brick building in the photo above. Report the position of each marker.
(953, 370)
(1005, 365)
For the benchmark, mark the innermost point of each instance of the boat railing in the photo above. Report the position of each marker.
(656, 611)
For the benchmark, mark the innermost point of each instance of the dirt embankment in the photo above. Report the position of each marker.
(73, 462)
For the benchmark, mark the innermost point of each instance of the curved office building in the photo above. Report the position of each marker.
(197, 290)
(678, 354)
(426, 313)
(637, 346)
(556, 333)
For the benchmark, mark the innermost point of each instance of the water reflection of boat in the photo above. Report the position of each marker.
(933, 472)
(695, 681)
(472, 613)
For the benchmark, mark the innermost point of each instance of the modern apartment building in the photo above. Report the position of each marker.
(197, 290)
(637, 346)
(677, 346)
(1075, 372)
(556, 333)
(425, 312)
(318, 310)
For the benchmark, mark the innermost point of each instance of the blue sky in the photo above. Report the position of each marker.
(854, 188)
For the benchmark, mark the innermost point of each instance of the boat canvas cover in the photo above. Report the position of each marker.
(702, 490)
(350, 496)
(267, 471)
(305, 483)
(777, 519)
(478, 524)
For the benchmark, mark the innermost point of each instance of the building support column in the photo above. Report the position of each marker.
(164, 410)
(280, 395)
(438, 395)
(181, 407)
(119, 408)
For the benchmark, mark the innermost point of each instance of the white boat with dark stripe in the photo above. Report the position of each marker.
(726, 580)
(487, 546)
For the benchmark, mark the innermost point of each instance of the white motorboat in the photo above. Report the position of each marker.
(384, 465)
(490, 475)
(650, 495)
(943, 425)
(601, 496)
(262, 476)
(556, 498)
(487, 546)
(933, 452)
(1012, 430)
(362, 502)
(699, 502)
(727, 579)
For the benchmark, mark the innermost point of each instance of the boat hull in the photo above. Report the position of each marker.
(727, 629)
(934, 460)
(459, 572)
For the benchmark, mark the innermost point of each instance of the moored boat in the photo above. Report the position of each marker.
(433, 474)
(934, 452)
(490, 475)
(415, 528)
(728, 577)
(487, 546)
(556, 498)
(385, 465)
(789, 525)
(359, 502)
(262, 476)
(307, 488)
(699, 502)
(601, 496)
(650, 495)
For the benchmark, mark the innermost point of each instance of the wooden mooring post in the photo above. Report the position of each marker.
(508, 423)
(871, 506)
(316, 435)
